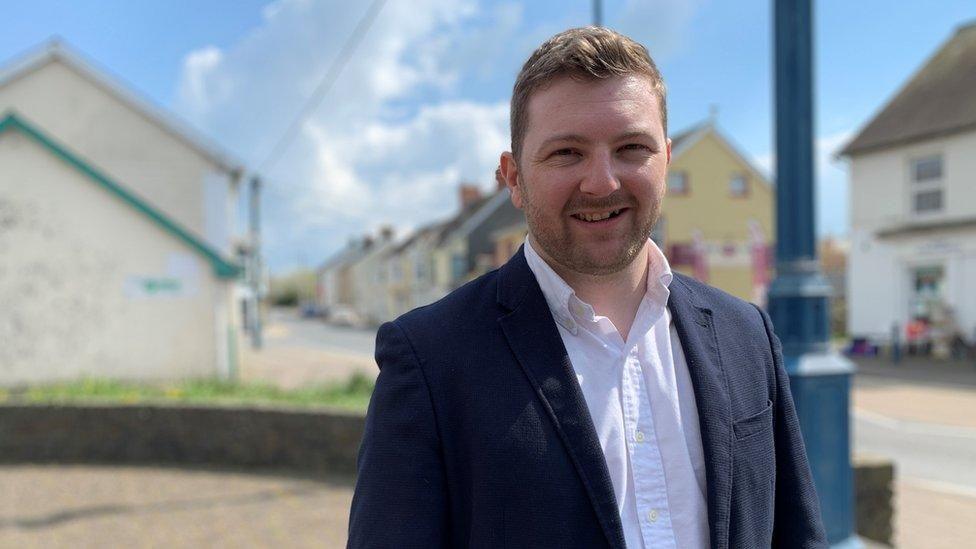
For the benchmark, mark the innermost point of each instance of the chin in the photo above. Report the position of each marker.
(603, 263)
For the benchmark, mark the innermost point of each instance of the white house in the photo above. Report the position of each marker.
(913, 201)
(116, 232)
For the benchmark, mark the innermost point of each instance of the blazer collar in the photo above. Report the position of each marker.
(694, 323)
(535, 341)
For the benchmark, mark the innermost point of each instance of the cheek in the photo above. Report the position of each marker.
(547, 195)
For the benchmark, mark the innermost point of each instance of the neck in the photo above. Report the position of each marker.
(616, 296)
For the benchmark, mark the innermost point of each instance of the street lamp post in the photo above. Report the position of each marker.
(798, 297)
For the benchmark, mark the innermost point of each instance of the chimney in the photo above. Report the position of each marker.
(469, 194)
(386, 233)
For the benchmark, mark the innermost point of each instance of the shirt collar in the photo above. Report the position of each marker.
(567, 308)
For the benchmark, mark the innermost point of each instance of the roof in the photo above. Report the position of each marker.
(419, 233)
(939, 99)
(683, 141)
(56, 50)
(459, 223)
(353, 251)
(223, 268)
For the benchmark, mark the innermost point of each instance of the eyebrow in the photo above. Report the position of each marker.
(575, 138)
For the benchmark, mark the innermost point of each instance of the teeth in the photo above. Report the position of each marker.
(597, 216)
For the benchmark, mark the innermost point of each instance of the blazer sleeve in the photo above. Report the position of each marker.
(400, 498)
(798, 522)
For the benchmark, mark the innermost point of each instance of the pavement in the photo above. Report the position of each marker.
(923, 415)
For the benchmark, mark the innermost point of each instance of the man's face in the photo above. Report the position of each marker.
(591, 173)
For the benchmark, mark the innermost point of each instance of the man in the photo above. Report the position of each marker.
(584, 395)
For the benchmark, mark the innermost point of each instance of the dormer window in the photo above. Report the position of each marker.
(926, 185)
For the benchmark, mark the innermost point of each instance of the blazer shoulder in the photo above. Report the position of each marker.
(719, 301)
(465, 308)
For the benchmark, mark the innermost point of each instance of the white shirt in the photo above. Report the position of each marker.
(640, 397)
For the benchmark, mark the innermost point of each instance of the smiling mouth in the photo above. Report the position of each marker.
(598, 216)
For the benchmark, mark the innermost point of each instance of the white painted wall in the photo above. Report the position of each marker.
(369, 284)
(117, 139)
(880, 182)
(74, 260)
(879, 269)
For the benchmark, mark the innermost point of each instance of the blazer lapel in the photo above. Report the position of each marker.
(697, 334)
(535, 341)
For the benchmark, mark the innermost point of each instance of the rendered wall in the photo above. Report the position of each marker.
(879, 271)
(152, 162)
(91, 287)
(722, 219)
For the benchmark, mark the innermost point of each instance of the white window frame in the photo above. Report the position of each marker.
(916, 187)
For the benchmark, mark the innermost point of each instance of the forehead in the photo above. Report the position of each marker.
(593, 107)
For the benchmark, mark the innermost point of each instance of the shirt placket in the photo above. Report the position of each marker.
(647, 465)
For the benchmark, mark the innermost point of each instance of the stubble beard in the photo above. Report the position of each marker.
(558, 243)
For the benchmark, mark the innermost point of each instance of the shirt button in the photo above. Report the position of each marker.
(640, 436)
(652, 515)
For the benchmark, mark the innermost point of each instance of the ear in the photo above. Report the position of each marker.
(669, 151)
(508, 168)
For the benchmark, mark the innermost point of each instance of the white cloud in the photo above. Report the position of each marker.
(406, 121)
(381, 148)
(197, 68)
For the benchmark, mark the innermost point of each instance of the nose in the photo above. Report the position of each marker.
(600, 178)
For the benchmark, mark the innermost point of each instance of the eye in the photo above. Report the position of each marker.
(563, 152)
(635, 147)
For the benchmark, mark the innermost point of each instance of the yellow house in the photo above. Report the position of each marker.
(717, 220)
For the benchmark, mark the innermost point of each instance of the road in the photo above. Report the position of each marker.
(939, 457)
(315, 334)
(299, 352)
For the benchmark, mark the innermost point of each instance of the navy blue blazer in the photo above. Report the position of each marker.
(477, 434)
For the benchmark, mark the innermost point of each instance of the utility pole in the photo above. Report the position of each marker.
(597, 13)
(798, 298)
(255, 266)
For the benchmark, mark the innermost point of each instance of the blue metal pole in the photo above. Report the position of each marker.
(798, 297)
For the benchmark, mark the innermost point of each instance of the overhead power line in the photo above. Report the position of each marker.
(324, 86)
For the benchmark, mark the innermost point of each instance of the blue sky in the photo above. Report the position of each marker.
(423, 103)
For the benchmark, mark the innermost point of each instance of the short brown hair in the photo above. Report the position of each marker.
(586, 52)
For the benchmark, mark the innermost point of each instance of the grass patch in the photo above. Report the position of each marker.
(352, 394)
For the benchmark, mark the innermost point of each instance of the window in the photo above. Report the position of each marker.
(738, 186)
(926, 184)
(421, 269)
(678, 183)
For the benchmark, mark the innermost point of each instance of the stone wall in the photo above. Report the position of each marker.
(312, 441)
(319, 441)
(874, 480)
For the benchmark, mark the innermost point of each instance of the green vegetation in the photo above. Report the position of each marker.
(292, 289)
(352, 395)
